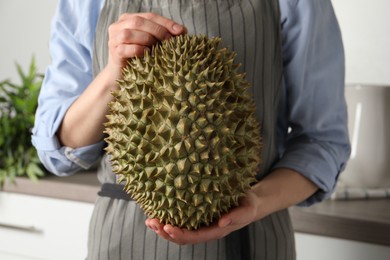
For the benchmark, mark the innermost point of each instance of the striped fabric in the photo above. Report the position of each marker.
(252, 29)
(117, 231)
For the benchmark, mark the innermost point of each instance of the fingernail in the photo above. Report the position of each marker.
(177, 27)
(166, 230)
(152, 227)
(226, 223)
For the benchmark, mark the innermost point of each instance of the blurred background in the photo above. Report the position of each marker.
(25, 25)
(365, 25)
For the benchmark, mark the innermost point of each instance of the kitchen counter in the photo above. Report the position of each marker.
(358, 220)
(79, 187)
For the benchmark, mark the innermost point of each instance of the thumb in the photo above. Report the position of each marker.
(231, 217)
(224, 221)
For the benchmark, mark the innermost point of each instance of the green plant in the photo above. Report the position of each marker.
(17, 110)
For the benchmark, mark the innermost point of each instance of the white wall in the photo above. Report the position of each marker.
(25, 26)
(24, 32)
(366, 32)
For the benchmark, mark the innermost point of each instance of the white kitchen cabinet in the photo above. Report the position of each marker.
(33, 227)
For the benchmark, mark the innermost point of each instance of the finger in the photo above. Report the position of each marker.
(154, 224)
(233, 217)
(243, 214)
(173, 27)
(157, 227)
(177, 235)
(140, 23)
(160, 27)
(124, 51)
(184, 236)
(136, 37)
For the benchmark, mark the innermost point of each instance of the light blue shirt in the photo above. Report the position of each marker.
(312, 122)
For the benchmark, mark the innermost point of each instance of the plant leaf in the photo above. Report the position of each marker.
(17, 112)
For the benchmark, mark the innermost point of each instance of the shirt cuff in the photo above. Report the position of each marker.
(65, 161)
(316, 164)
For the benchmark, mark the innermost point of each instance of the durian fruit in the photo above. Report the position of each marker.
(181, 131)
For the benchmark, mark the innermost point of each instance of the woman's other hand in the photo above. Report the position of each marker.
(235, 219)
(278, 190)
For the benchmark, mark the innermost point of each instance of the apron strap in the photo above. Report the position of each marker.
(114, 191)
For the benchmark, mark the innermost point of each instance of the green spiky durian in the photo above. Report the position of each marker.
(182, 134)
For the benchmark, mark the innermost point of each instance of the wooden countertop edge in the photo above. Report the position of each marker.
(340, 227)
(55, 188)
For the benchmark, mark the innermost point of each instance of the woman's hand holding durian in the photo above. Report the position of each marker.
(280, 189)
(130, 36)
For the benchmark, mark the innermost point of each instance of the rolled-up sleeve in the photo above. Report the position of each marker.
(313, 126)
(70, 72)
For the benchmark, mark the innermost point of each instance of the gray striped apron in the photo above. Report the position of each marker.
(252, 29)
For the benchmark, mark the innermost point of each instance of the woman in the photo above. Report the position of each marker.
(292, 53)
